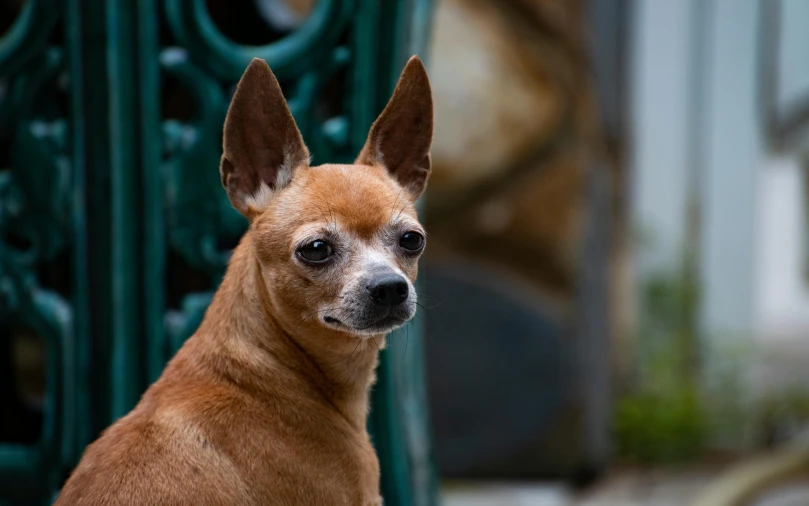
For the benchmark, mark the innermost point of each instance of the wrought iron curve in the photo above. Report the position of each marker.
(35, 203)
(290, 56)
(28, 35)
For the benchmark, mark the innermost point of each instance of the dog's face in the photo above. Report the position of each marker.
(340, 248)
(338, 245)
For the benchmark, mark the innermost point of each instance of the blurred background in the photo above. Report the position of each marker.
(616, 292)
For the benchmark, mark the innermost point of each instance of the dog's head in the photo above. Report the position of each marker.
(337, 245)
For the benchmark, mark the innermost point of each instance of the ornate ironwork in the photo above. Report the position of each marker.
(36, 235)
(112, 113)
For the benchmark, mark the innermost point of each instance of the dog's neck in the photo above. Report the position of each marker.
(243, 323)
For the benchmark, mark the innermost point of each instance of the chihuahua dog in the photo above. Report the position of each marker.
(267, 402)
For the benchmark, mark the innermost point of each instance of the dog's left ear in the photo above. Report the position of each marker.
(262, 144)
(400, 138)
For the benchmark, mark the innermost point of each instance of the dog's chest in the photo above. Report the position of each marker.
(316, 463)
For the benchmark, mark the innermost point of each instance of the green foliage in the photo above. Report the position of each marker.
(663, 420)
(728, 400)
(673, 412)
(661, 427)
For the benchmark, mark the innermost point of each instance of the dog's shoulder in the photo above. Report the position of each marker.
(141, 457)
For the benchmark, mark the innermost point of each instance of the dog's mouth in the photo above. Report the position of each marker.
(382, 325)
(385, 324)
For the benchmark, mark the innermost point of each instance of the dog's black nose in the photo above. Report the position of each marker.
(388, 290)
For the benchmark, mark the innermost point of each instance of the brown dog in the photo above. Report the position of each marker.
(267, 402)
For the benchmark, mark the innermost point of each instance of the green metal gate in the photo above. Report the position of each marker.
(114, 228)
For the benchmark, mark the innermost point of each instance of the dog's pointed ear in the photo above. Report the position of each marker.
(400, 138)
(262, 144)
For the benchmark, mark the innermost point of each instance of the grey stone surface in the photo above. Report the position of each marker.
(656, 488)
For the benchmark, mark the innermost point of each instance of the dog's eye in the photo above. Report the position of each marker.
(315, 251)
(412, 241)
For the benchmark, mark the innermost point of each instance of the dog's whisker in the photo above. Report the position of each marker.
(437, 301)
(404, 206)
(331, 213)
(426, 313)
(359, 342)
(422, 306)
(393, 210)
(319, 313)
(407, 340)
(428, 294)
(321, 212)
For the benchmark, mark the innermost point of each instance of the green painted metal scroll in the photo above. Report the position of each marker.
(111, 114)
(42, 287)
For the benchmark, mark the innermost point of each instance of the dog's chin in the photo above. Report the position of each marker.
(384, 325)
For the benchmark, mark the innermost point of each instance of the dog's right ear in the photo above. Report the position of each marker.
(262, 144)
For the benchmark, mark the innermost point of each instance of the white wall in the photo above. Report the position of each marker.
(660, 124)
(732, 156)
(782, 292)
(694, 105)
(782, 295)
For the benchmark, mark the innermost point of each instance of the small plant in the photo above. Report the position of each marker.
(662, 419)
(661, 427)
(690, 394)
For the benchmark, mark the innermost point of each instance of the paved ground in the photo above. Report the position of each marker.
(670, 488)
(506, 495)
(774, 370)
(652, 488)
(791, 495)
